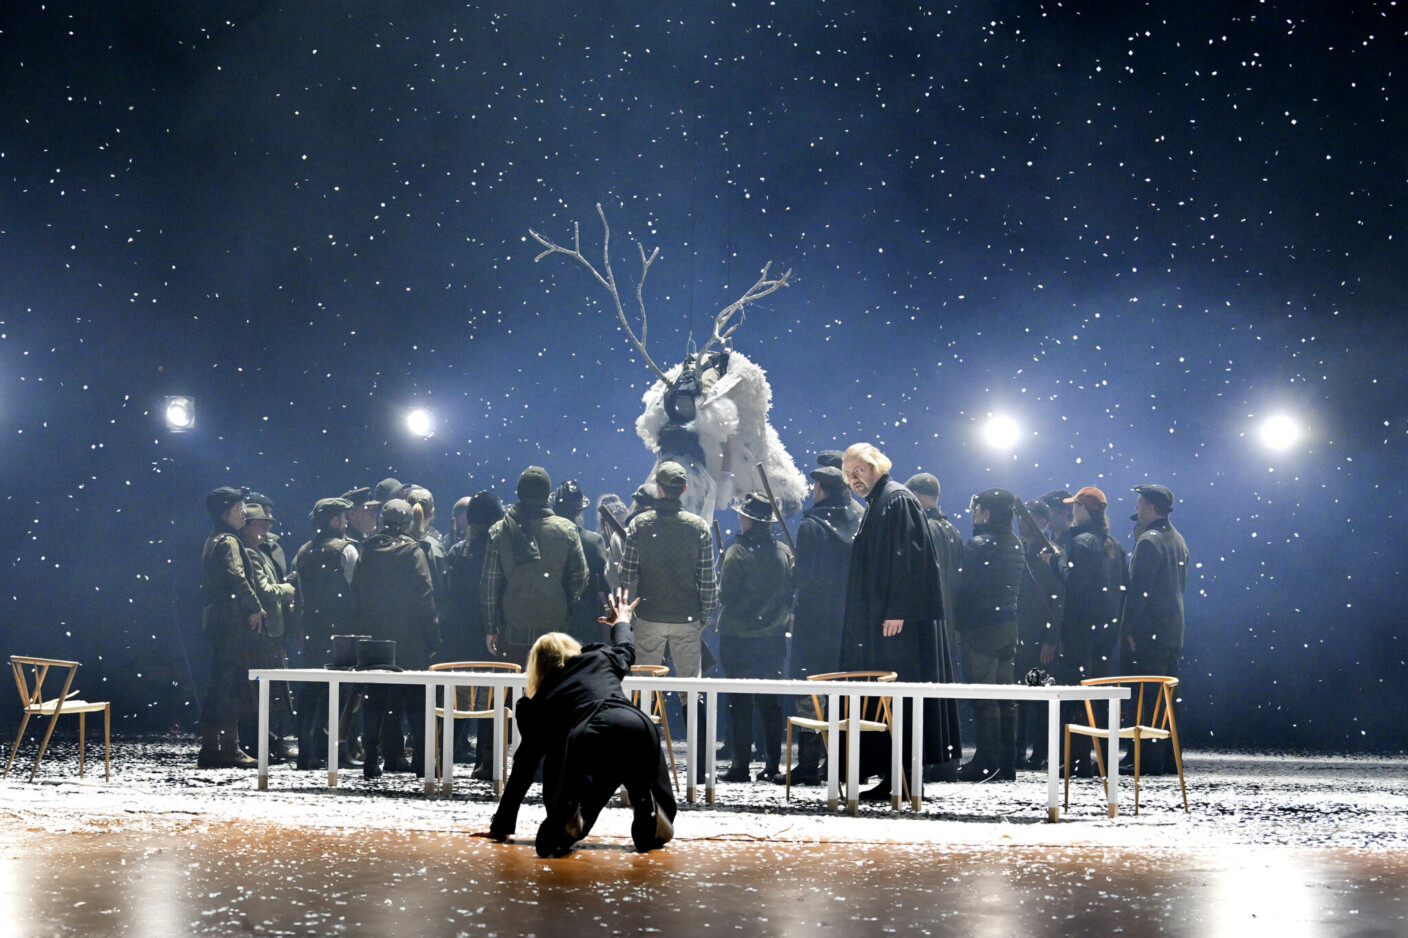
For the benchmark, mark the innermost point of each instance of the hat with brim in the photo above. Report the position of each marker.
(376, 654)
(1160, 496)
(756, 507)
(569, 499)
(344, 652)
(829, 478)
(253, 511)
(1090, 497)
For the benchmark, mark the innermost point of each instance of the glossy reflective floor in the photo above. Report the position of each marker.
(231, 879)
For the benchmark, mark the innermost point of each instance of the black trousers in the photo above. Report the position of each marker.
(1157, 756)
(1092, 659)
(754, 658)
(619, 746)
(386, 705)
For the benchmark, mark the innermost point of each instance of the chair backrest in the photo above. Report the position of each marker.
(871, 708)
(650, 670)
(473, 690)
(1160, 690)
(32, 698)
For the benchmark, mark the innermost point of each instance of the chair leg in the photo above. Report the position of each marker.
(45, 744)
(16, 747)
(788, 763)
(1138, 750)
(1178, 761)
(82, 736)
(669, 743)
(107, 742)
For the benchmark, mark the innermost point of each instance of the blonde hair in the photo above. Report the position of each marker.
(868, 454)
(548, 654)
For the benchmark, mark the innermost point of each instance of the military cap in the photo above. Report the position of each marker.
(829, 478)
(325, 508)
(484, 508)
(829, 457)
(756, 507)
(923, 483)
(671, 475)
(994, 499)
(569, 499)
(218, 501)
(535, 485)
(396, 514)
(1160, 496)
(386, 490)
(359, 496)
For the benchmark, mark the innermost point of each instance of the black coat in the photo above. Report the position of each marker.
(993, 568)
(823, 561)
(393, 598)
(560, 731)
(894, 574)
(948, 545)
(1096, 576)
(462, 621)
(588, 607)
(1158, 573)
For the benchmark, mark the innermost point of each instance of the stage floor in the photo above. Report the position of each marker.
(1274, 845)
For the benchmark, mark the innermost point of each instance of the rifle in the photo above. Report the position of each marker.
(776, 510)
(718, 538)
(1026, 516)
(609, 522)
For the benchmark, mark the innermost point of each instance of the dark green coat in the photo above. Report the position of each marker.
(755, 587)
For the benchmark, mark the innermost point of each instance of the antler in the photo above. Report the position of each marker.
(756, 292)
(609, 280)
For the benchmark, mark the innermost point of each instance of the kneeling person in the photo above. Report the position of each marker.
(590, 740)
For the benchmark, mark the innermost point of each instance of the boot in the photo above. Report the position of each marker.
(1007, 751)
(983, 765)
(371, 762)
(209, 755)
(345, 758)
(808, 768)
(230, 755)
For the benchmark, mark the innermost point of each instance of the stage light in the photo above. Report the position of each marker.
(1280, 432)
(1001, 432)
(180, 414)
(420, 422)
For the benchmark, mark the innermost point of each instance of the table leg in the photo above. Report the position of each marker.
(501, 728)
(334, 713)
(852, 754)
(1112, 761)
(916, 767)
(711, 724)
(1053, 759)
(427, 742)
(833, 749)
(691, 737)
(263, 734)
(447, 741)
(896, 751)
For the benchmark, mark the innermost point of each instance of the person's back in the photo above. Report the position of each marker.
(393, 597)
(667, 539)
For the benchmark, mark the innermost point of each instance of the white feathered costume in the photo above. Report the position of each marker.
(732, 426)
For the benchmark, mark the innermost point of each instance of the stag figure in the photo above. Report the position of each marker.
(709, 412)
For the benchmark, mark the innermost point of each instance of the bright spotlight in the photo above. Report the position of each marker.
(420, 422)
(1001, 432)
(1280, 432)
(180, 414)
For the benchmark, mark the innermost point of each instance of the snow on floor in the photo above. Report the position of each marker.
(1235, 799)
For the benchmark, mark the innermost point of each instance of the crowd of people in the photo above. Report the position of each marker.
(876, 578)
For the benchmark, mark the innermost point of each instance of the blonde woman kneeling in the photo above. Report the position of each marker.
(590, 739)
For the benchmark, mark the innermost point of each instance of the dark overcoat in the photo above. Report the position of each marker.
(894, 574)
(823, 561)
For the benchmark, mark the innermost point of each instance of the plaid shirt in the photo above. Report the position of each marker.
(704, 576)
(491, 588)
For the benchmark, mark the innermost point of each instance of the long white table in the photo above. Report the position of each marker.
(689, 689)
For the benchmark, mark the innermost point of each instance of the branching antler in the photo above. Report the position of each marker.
(756, 292)
(609, 279)
(722, 331)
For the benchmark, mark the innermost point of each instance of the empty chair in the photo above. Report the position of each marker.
(656, 711)
(67, 701)
(1161, 725)
(874, 715)
(473, 702)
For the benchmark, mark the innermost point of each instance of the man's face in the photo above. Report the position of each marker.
(256, 532)
(1080, 513)
(363, 518)
(860, 476)
(1060, 519)
(1148, 514)
(338, 522)
(818, 493)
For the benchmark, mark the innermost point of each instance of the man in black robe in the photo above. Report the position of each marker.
(894, 603)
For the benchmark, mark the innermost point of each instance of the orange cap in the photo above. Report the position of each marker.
(1090, 497)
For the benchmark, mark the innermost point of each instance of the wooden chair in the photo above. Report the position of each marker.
(472, 702)
(1161, 725)
(874, 716)
(32, 698)
(656, 711)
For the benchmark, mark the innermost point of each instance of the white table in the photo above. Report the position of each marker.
(689, 689)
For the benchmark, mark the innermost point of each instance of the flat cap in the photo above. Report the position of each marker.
(671, 475)
(325, 508)
(1160, 496)
(923, 483)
